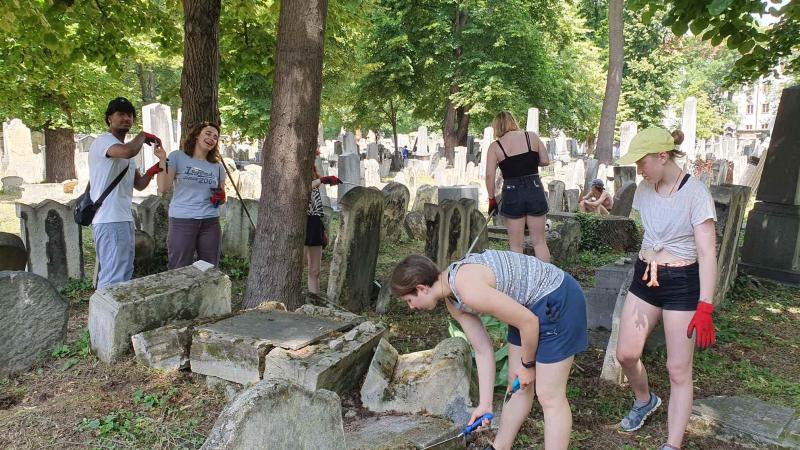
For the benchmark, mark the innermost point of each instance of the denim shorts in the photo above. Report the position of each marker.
(562, 323)
(678, 287)
(523, 196)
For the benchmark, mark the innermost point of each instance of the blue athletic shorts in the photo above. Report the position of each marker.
(562, 323)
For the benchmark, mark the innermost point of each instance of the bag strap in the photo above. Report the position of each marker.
(111, 186)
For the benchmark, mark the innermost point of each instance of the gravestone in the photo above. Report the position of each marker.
(746, 421)
(627, 130)
(372, 176)
(422, 141)
(13, 255)
(719, 171)
(156, 119)
(689, 126)
(555, 196)
(611, 370)
(349, 171)
(121, 310)
(337, 148)
(532, 124)
(730, 203)
(53, 240)
(415, 225)
(623, 174)
(623, 200)
(771, 246)
(478, 231)
(471, 172)
(407, 431)
(448, 230)
(592, 166)
(458, 192)
(602, 298)
(34, 320)
(249, 182)
(373, 151)
(153, 218)
(425, 194)
(349, 144)
(572, 147)
(84, 143)
(24, 157)
(356, 249)
(397, 161)
(578, 175)
(460, 165)
(12, 184)
(238, 233)
(279, 414)
(488, 138)
(395, 205)
(572, 200)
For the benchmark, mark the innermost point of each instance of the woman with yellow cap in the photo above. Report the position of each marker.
(674, 278)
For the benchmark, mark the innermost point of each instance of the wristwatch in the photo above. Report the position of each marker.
(528, 365)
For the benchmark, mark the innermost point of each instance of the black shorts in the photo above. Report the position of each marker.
(523, 196)
(315, 232)
(678, 287)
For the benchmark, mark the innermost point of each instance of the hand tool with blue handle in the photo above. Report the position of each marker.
(514, 388)
(467, 430)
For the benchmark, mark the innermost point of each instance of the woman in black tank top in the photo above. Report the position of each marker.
(518, 154)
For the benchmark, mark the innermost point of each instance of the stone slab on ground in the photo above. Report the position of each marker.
(33, 319)
(338, 365)
(279, 414)
(436, 381)
(401, 431)
(119, 311)
(746, 421)
(165, 348)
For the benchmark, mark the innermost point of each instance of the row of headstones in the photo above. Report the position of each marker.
(53, 241)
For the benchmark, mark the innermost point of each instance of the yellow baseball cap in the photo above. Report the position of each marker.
(649, 140)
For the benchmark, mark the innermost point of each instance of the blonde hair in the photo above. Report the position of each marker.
(504, 122)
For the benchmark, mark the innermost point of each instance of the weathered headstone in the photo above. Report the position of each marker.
(349, 169)
(356, 250)
(425, 194)
(153, 218)
(627, 130)
(372, 177)
(532, 124)
(592, 167)
(611, 370)
(119, 311)
(53, 240)
(458, 192)
(156, 119)
(623, 174)
(460, 164)
(623, 200)
(746, 421)
(349, 145)
(238, 233)
(395, 205)
(165, 348)
(435, 381)
(478, 231)
(422, 141)
(572, 200)
(34, 320)
(13, 255)
(249, 181)
(408, 431)
(719, 171)
(11, 184)
(602, 298)
(373, 151)
(25, 160)
(555, 196)
(414, 224)
(772, 239)
(279, 414)
(730, 202)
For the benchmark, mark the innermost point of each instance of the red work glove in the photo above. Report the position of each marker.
(492, 207)
(153, 170)
(151, 139)
(218, 197)
(704, 324)
(331, 179)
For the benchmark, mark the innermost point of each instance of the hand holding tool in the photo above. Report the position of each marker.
(467, 430)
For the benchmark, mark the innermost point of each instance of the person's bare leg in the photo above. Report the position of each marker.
(314, 257)
(516, 233)
(551, 391)
(518, 406)
(636, 323)
(602, 210)
(536, 225)
(680, 353)
(582, 206)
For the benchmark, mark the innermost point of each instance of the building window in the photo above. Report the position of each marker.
(748, 127)
(764, 126)
(765, 108)
(750, 108)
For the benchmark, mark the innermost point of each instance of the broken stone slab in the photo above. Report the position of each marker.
(747, 421)
(331, 313)
(234, 349)
(601, 300)
(33, 319)
(119, 311)
(165, 348)
(401, 431)
(338, 365)
(279, 414)
(229, 389)
(436, 381)
(611, 370)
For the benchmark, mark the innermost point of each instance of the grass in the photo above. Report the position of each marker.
(72, 400)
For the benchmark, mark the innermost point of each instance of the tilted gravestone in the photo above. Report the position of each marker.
(53, 240)
(425, 194)
(356, 249)
(623, 200)
(34, 319)
(395, 205)
(623, 174)
(730, 202)
(13, 255)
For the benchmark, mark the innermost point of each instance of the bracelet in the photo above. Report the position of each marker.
(528, 365)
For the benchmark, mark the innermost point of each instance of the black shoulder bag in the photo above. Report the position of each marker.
(85, 208)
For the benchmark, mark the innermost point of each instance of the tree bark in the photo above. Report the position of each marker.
(200, 74)
(608, 115)
(276, 263)
(456, 119)
(147, 83)
(59, 154)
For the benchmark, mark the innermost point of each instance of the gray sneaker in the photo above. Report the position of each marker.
(635, 418)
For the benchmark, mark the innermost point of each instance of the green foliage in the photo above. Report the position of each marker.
(734, 23)
(153, 400)
(591, 239)
(497, 333)
(80, 348)
(77, 289)
(236, 268)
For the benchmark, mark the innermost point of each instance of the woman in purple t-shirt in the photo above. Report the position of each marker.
(198, 177)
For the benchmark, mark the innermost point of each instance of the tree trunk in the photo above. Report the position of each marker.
(59, 154)
(147, 83)
(456, 119)
(608, 116)
(276, 263)
(200, 74)
(393, 121)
